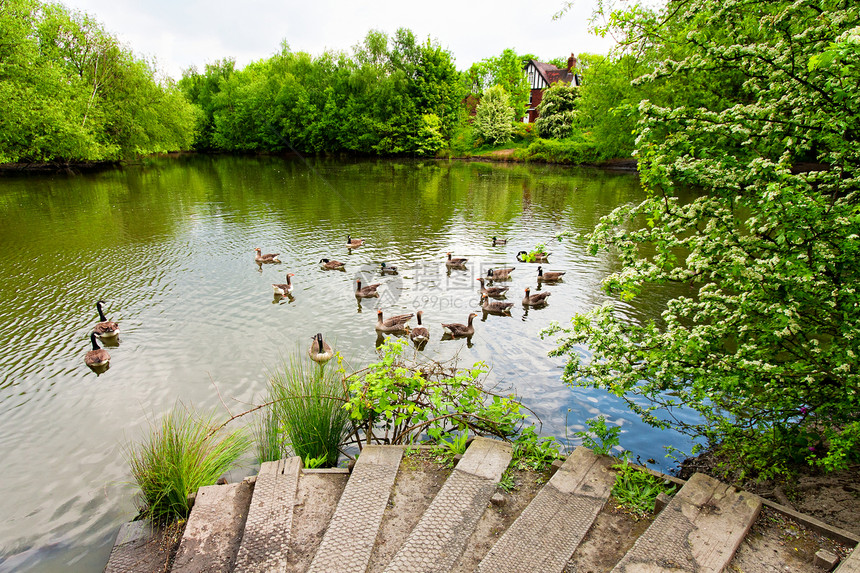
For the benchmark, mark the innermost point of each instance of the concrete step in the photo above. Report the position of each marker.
(349, 539)
(698, 531)
(214, 528)
(137, 549)
(316, 500)
(548, 531)
(440, 536)
(266, 539)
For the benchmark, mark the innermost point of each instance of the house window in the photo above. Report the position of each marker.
(532, 79)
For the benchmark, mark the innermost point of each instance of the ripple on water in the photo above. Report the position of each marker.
(175, 265)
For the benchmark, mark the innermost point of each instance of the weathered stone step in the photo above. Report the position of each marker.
(548, 531)
(266, 539)
(316, 499)
(349, 539)
(214, 528)
(698, 531)
(137, 549)
(440, 536)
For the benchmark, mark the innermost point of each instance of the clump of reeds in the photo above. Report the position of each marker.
(307, 412)
(185, 453)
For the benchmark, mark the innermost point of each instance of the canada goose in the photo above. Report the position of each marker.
(97, 356)
(535, 299)
(286, 288)
(499, 241)
(353, 243)
(549, 276)
(393, 324)
(106, 328)
(387, 269)
(499, 274)
(461, 329)
(420, 334)
(535, 258)
(495, 292)
(455, 262)
(268, 258)
(320, 351)
(331, 265)
(500, 307)
(366, 292)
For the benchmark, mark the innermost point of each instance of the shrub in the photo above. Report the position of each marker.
(495, 116)
(184, 454)
(578, 149)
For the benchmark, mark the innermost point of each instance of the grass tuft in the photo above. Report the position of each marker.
(177, 458)
(308, 409)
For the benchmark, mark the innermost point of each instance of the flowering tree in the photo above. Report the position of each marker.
(494, 116)
(557, 111)
(766, 346)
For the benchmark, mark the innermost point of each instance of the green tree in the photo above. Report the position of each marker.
(557, 111)
(494, 117)
(765, 346)
(70, 92)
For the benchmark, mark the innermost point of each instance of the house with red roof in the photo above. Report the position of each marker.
(541, 76)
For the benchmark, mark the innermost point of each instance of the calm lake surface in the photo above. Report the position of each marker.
(169, 246)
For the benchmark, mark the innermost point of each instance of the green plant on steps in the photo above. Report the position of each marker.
(531, 452)
(636, 490)
(267, 436)
(181, 455)
(507, 483)
(449, 449)
(311, 463)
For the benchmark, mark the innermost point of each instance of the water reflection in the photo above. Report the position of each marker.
(173, 259)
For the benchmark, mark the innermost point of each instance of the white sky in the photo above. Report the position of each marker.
(182, 33)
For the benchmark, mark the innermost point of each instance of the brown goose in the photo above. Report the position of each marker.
(268, 258)
(457, 330)
(499, 274)
(286, 288)
(366, 292)
(97, 356)
(331, 265)
(353, 243)
(393, 324)
(106, 328)
(495, 292)
(499, 241)
(420, 334)
(320, 351)
(535, 299)
(549, 276)
(499, 307)
(455, 262)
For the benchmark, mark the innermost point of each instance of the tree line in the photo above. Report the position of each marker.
(69, 91)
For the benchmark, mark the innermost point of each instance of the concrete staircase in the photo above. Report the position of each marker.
(327, 521)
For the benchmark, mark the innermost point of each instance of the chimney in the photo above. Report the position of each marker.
(571, 62)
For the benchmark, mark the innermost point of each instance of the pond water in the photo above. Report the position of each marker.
(169, 246)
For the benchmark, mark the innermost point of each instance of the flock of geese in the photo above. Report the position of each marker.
(321, 352)
(98, 359)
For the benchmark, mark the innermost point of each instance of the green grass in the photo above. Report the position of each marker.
(308, 411)
(636, 490)
(177, 458)
(267, 437)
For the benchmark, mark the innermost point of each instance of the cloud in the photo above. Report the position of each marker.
(180, 34)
